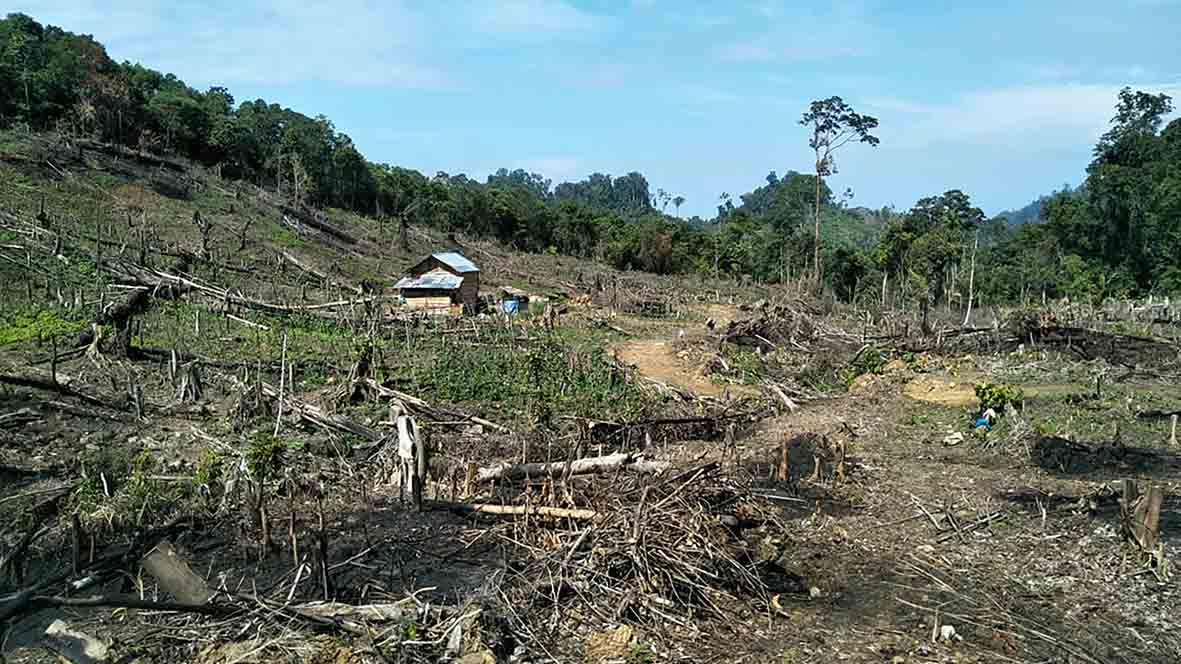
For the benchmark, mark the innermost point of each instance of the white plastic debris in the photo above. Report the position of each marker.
(947, 633)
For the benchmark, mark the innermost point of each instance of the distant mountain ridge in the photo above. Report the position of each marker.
(1032, 213)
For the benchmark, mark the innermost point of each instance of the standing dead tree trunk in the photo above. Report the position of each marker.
(190, 388)
(972, 279)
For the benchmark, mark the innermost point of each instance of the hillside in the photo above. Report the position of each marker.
(1031, 213)
(226, 439)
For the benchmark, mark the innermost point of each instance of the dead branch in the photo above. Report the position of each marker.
(318, 418)
(426, 410)
(522, 510)
(622, 461)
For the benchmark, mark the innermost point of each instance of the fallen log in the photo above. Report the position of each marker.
(120, 151)
(52, 386)
(521, 510)
(310, 219)
(621, 461)
(174, 575)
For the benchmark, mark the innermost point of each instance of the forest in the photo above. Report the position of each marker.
(1115, 235)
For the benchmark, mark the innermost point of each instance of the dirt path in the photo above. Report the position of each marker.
(657, 358)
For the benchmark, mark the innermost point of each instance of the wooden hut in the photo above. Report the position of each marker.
(442, 281)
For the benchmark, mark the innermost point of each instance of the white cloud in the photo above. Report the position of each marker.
(1025, 117)
(529, 19)
(352, 42)
(805, 50)
(556, 168)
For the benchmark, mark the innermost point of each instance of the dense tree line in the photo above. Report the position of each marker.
(1117, 234)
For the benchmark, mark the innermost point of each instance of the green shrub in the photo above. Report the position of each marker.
(999, 396)
(42, 326)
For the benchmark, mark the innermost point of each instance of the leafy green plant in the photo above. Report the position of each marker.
(265, 454)
(999, 396)
(41, 326)
(868, 360)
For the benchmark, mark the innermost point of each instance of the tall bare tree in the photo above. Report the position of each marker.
(834, 124)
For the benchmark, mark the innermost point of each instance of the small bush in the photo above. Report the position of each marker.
(999, 396)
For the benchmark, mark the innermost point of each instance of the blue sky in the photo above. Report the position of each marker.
(1001, 99)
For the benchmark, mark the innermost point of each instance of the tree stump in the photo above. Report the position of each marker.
(1140, 515)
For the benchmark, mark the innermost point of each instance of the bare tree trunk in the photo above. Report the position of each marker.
(972, 279)
(816, 262)
(885, 275)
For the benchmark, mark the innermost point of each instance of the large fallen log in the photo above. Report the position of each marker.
(53, 386)
(311, 219)
(621, 461)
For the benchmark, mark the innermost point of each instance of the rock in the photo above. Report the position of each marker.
(953, 439)
(861, 382)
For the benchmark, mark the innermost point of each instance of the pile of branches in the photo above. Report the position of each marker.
(660, 554)
(773, 327)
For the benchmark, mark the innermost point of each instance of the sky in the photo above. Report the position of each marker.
(1003, 100)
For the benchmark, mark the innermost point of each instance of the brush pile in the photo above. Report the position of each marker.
(663, 555)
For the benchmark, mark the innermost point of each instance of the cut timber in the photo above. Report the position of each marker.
(521, 510)
(621, 461)
(74, 646)
(368, 612)
(133, 304)
(175, 576)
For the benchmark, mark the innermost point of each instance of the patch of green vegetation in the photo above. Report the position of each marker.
(546, 374)
(118, 483)
(746, 365)
(869, 360)
(999, 396)
(265, 455)
(287, 237)
(641, 654)
(824, 372)
(40, 326)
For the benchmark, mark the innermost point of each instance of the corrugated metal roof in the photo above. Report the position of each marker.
(456, 261)
(433, 280)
